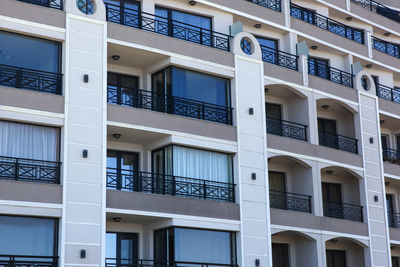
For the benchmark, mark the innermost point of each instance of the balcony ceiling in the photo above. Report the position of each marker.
(133, 136)
(389, 122)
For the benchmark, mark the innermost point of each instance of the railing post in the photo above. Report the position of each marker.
(18, 78)
(202, 110)
(173, 185)
(201, 35)
(16, 169)
(309, 204)
(205, 189)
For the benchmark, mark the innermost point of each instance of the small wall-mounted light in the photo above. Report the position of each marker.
(325, 106)
(376, 198)
(334, 241)
(257, 26)
(116, 219)
(192, 3)
(257, 262)
(83, 253)
(251, 111)
(381, 121)
(387, 33)
(387, 183)
(253, 176)
(86, 78)
(115, 57)
(368, 66)
(349, 18)
(266, 89)
(116, 136)
(330, 172)
(85, 153)
(314, 47)
(371, 140)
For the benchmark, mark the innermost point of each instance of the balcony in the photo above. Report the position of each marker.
(385, 47)
(385, 92)
(56, 4)
(330, 73)
(29, 170)
(143, 99)
(343, 211)
(338, 141)
(379, 9)
(279, 58)
(287, 129)
(394, 219)
(271, 4)
(168, 27)
(391, 155)
(326, 23)
(42, 81)
(126, 180)
(289, 201)
(23, 260)
(111, 262)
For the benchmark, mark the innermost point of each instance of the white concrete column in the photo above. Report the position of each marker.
(252, 155)
(83, 222)
(368, 41)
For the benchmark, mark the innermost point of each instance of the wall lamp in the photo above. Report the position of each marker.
(116, 136)
(257, 26)
(192, 3)
(314, 47)
(115, 57)
(325, 106)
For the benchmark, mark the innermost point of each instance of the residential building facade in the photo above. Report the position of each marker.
(200, 133)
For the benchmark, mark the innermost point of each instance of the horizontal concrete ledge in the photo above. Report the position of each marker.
(310, 221)
(170, 122)
(391, 168)
(394, 233)
(283, 73)
(29, 99)
(332, 88)
(173, 205)
(317, 151)
(34, 13)
(30, 192)
(162, 42)
(389, 106)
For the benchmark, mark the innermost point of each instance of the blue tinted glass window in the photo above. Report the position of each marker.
(27, 236)
(268, 42)
(200, 87)
(191, 19)
(29, 52)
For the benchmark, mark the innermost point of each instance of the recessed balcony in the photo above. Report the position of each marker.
(322, 70)
(271, 4)
(287, 129)
(28, 260)
(280, 58)
(343, 211)
(167, 26)
(385, 47)
(388, 93)
(290, 201)
(379, 9)
(56, 4)
(338, 141)
(326, 23)
(122, 262)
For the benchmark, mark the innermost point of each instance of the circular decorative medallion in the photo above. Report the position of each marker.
(86, 6)
(246, 46)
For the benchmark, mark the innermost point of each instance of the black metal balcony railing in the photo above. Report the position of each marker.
(137, 98)
(385, 92)
(271, 4)
(27, 261)
(326, 23)
(378, 8)
(290, 201)
(112, 262)
(386, 47)
(343, 211)
(391, 155)
(330, 73)
(147, 182)
(56, 4)
(29, 170)
(169, 27)
(279, 58)
(287, 129)
(394, 219)
(338, 141)
(43, 81)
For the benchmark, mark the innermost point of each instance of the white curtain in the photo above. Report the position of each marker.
(202, 246)
(28, 141)
(26, 236)
(201, 164)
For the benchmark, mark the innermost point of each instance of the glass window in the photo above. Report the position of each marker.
(29, 52)
(193, 85)
(270, 43)
(184, 17)
(29, 141)
(319, 67)
(193, 163)
(122, 168)
(28, 236)
(122, 248)
(335, 258)
(195, 245)
(280, 255)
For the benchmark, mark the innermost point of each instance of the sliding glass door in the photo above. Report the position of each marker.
(122, 170)
(122, 249)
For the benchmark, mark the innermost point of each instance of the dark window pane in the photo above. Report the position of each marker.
(161, 245)
(332, 192)
(29, 52)
(280, 255)
(335, 258)
(276, 181)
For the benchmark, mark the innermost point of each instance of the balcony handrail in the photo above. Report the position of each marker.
(140, 181)
(390, 154)
(388, 93)
(144, 19)
(150, 263)
(318, 17)
(28, 260)
(290, 201)
(290, 194)
(271, 4)
(386, 47)
(27, 78)
(338, 141)
(149, 100)
(339, 135)
(286, 128)
(343, 210)
(374, 7)
(48, 3)
(283, 59)
(32, 160)
(345, 78)
(394, 219)
(289, 122)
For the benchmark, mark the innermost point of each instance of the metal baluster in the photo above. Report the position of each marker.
(202, 111)
(201, 35)
(205, 189)
(16, 169)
